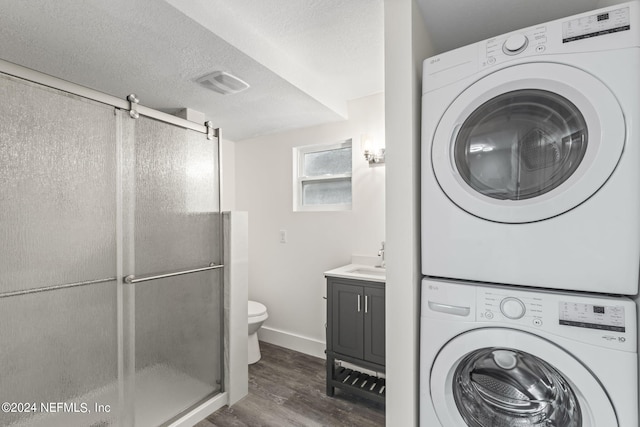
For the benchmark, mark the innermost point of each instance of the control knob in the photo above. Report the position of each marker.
(512, 308)
(515, 44)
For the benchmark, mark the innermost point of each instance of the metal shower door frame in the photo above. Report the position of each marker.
(126, 310)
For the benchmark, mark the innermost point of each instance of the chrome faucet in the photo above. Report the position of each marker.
(381, 254)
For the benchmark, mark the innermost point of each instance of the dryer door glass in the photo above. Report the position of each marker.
(521, 144)
(501, 387)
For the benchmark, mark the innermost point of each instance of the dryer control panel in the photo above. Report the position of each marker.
(503, 48)
(599, 24)
(599, 31)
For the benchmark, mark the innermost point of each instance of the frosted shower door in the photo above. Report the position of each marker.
(57, 187)
(176, 226)
(58, 305)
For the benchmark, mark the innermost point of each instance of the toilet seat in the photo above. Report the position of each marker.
(256, 309)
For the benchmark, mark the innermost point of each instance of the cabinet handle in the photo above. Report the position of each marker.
(366, 303)
(358, 303)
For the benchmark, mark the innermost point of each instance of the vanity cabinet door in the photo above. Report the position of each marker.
(374, 332)
(347, 322)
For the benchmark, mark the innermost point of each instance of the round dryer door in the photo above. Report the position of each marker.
(478, 382)
(528, 143)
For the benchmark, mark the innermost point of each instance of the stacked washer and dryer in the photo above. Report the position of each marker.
(531, 227)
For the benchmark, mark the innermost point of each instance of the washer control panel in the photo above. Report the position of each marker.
(499, 305)
(596, 319)
(526, 308)
(603, 317)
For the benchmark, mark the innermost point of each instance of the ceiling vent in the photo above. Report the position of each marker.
(223, 82)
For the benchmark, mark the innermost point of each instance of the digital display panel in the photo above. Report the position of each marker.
(603, 317)
(596, 25)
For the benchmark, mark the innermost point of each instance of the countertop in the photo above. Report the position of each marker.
(359, 272)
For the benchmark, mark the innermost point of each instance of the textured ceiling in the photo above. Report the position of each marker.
(326, 46)
(304, 59)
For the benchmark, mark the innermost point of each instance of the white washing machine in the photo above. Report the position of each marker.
(531, 156)
(495, 356)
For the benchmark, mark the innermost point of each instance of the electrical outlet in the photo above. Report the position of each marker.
(283, 236)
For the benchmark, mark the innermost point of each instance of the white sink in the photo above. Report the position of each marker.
(372, 271)
(359, 272)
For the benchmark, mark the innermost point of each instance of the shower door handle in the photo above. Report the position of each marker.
(133, 279)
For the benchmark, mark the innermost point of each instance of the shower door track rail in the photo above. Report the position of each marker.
(76, 89)
(134, 279)
(56, 287)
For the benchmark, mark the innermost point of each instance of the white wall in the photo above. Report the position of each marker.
(406, 45)
(288, 278)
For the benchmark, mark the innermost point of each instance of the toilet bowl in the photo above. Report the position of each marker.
(257, 316)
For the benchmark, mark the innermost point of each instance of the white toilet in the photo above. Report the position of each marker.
(257, 316)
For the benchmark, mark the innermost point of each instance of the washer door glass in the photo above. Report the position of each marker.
(521, 144)
(502, 387)
(476, 381)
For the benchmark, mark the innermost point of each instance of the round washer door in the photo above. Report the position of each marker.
(528, 142)
(477, 381)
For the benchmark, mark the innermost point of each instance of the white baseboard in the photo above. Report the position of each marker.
(202, 411)
(293, 341)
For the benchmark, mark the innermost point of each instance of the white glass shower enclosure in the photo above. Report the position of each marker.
(110, 261)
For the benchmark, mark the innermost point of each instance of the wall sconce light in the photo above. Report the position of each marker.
(372, 149)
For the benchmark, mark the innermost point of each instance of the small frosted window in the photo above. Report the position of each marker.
(328, 162)
(322, 177)
(326, 192)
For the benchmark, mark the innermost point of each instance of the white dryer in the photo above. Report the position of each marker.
(495, 356)
(531, 156)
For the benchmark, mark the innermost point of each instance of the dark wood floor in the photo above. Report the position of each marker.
(287, 388)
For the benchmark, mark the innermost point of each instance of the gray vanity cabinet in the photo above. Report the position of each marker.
(355, 334)
(374, 325)
(347, 319)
